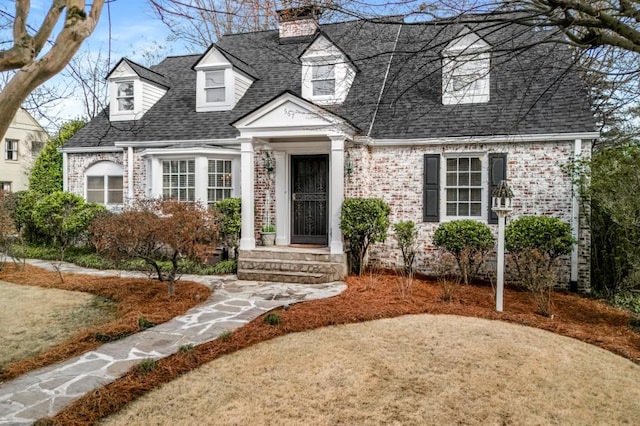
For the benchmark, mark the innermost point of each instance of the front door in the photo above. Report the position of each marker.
(309, 199)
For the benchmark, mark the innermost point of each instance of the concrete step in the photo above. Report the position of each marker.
(285, 253)
(292, 266)
(281, 276)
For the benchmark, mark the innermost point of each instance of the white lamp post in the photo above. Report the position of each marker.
(502, 204)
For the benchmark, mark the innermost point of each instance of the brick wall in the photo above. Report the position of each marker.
(535, 173)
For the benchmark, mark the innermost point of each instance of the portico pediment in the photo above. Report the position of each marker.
(289, 112)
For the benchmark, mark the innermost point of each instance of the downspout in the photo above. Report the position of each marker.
(575, 220)
(129, 174)
(65, 173)
(384, 82)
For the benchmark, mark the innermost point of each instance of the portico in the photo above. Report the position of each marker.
(306, 144)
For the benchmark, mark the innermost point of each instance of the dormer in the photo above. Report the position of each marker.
(221, 80)
(133, 89)
(327, 72)
(466, 64)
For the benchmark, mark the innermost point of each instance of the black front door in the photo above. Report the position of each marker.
(309, 194)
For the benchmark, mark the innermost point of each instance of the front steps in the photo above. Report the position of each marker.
(291, 265)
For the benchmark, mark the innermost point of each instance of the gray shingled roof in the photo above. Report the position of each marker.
(531, 90)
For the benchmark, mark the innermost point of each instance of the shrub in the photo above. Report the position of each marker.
(364, 221)
(272, 319)
(230, 211)
(23, 203)
(407, 236)
(154, 230)
(64, 218)
(225, 267)
(7, 230)
(534, 244)
(468, 240)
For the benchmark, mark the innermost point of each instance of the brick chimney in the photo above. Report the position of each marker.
(298, 21)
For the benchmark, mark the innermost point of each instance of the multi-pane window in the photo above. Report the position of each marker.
(105, 189)
(466, 79)
(179, 180)
(219, 183)
(5, 187)
(214, 86)
(125, 96)
(463, 187)
(323, 80)
(11, 149)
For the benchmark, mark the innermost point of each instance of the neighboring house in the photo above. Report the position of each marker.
(429, 117)
(20, 147)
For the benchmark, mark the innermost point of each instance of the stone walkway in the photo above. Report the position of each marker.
(232, 304)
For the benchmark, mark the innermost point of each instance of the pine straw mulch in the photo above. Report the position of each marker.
(370, 298)
(134, 298)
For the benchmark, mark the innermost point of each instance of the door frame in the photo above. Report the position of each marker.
(322, 240)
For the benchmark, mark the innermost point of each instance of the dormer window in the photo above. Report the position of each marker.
(214, 86)
(133, 89)
(323, 80)
(466, 67)
(125, 96)
(327, 72)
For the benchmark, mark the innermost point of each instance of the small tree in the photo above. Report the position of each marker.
(7, 228)
(535, 243)
(364, 221)
(46, 173)
(407, 236)
(154, 230)
(230, 222)
(468, 240)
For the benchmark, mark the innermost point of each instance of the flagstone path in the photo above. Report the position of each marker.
(232, 304)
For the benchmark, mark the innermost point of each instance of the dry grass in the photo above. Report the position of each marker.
(584, 319)
(36, 319)
(134, 298)
(407, 370)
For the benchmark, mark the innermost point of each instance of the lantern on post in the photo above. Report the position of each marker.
(502, 204)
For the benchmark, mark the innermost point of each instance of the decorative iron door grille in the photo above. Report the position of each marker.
(309, 195)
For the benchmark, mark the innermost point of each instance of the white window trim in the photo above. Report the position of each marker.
(484, 160)
(15, 151)
(342, 76)
(201, 172)
(114, 113)
(104, 169)
(229, 94)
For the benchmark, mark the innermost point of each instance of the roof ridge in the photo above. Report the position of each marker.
(142, 66)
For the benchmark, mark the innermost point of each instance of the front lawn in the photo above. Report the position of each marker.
(132, 299)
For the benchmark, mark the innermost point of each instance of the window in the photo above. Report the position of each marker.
(220, 183)
(124, 96)
(463, 187)
(11, 149)
(179, 180)
(459, 186)
(5, 187)
(323, 80)
(214, 86)
(104, 189)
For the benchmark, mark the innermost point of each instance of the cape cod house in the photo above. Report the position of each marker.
(426, 116)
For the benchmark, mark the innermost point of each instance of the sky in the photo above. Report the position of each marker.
(126, 28)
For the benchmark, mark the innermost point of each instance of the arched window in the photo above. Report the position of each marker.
(104, 183)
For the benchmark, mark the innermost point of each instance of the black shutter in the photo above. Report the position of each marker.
(431, 190)
(497, 173)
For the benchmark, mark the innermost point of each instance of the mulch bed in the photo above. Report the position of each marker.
(370, 298)
(134, 298)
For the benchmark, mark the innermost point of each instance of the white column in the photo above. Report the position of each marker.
(336, 193)
(129, 175)
(500, 265)
(247, 240)
(65, 171)
(281, 199)
(575, 218)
